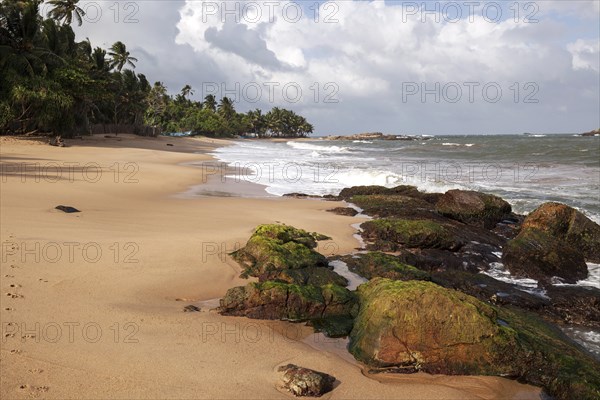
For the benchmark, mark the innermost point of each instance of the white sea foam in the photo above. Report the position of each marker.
(588, 338)
(499, 272)
(315, 147)
(592, 280)
(362, 141)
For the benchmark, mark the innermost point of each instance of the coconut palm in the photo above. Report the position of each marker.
(65, 10)
(210, 103)
(120, 56)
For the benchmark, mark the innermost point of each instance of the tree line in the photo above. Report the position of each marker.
(53, 83)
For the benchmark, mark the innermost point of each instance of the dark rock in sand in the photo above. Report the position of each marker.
(274, 248)
(347, 211)
(473, 208)
(420, 326)
(275, 300)
(375, 264)
(305, 382)
(67, 209)
(191, 308)
(535, 254)
(569, 225)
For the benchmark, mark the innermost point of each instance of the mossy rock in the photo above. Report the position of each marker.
(290, 302)
(419, 326)
(376, 264)
(402, 190)
(317, 276)
(473, 208)
(569, 225)
(279, 247)
(536, 254)
(381, 206)
(390, 234)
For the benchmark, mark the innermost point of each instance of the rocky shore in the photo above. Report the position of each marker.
(429, 304)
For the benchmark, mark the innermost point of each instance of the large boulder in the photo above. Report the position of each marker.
(568, 225)
(305, 382)
(276, 300)
(473, 208)
(391, 234)
(420, 326)
(279, 247)
(536, 254)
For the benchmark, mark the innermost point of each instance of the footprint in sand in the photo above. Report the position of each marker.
(28, 336)
(36, 371)
(9, 335)
(14, 296)
(14, 285)
(9, 276)
(15, 266)
(14, 351)
(8, 309)
(43, 280)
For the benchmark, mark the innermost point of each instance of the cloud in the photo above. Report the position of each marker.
(363, 55)
(586, 54)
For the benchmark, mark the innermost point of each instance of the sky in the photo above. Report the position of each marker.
(398, 67)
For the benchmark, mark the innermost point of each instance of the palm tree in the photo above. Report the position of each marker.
(210, 103)
(120, 56)
(65, 10)
(226, 108)
(22, 45)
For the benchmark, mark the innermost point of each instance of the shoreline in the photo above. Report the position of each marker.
(181, 246)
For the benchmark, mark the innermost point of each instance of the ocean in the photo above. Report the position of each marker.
(526, 170)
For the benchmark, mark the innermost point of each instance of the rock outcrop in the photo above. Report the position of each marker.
(298, 303)
(420, 326)
(473, 208)
(554, 241)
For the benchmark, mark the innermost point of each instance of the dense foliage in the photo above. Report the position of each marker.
(52, 83)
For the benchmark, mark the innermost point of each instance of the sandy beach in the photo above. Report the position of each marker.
(92, 302)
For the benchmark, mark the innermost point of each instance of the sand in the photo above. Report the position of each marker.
(92, 303)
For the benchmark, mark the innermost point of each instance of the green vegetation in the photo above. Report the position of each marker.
(409, 233)
(375, 264)
(52, 83)
(275, 248)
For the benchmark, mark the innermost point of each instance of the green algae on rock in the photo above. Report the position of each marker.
(376, 264)
(420, 326)
(536, 254)
(390, 234)
(569, 225)
(298, 303)
(279, 247)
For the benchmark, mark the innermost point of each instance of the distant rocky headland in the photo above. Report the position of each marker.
(592, 133)
(377, 136)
